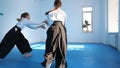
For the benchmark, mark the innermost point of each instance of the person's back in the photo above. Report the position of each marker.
(57, 15)
(56, 41)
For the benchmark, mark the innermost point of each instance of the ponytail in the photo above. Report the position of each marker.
(23, 15)
(19, 19)
(57, 4)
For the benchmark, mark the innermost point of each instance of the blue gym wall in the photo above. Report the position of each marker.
(74, 12)
(13, 8)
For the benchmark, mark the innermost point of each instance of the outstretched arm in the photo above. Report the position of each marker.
(34, 25)
(42, 26)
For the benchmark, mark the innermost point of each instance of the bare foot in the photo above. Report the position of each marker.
(27, 55)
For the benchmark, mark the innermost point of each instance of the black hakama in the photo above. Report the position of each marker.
(12, 38)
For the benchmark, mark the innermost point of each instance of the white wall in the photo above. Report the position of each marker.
(74, 12)
(105, 21)
(13, 8)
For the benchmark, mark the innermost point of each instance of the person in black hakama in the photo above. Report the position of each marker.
(15, 37)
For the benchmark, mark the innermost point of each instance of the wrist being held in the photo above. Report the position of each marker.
(42, 26)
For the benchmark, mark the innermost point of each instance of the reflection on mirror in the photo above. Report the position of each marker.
(87, 19)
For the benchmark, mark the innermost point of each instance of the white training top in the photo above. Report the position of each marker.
(57, 15)
(27, 23)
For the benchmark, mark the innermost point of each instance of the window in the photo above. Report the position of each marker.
(87, 19)
(113, 15)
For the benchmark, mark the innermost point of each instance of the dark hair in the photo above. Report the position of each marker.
(57, 4)
(23, 15)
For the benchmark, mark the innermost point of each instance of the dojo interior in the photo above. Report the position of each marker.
(96, 45)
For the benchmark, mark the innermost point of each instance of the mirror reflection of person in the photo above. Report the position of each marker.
(56, 42)
(15, 37)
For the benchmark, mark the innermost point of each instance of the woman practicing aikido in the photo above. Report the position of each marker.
(15, 37)
(56, 42)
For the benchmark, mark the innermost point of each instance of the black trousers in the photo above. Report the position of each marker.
(12, 38)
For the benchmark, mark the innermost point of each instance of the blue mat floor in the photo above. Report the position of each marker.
(78, 56)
